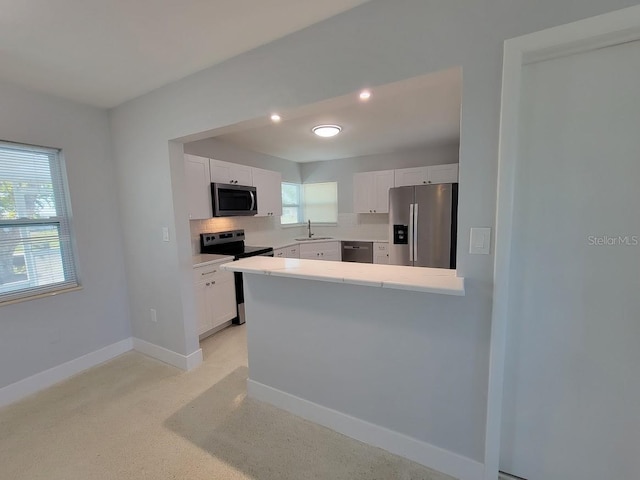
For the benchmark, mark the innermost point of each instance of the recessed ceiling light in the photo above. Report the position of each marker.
(275, 117)
(365, 95)
(326, 130)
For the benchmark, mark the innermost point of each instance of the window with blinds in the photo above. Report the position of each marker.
(317, 202)
(320, 202)
(36, 255)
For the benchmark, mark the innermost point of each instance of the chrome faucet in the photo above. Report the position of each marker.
(309, 228)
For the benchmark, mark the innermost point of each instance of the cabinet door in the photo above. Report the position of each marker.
(381, 253)
(411, 176)
(443, 173)
(198, 185)
(382, 182)
(230, 173)
(269, 189)
(362, 192)
(332, 256)
(293, 252)
(202, 308)
(222, 298)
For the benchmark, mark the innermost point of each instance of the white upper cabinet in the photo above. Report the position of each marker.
(371, 191)
(198, 185)
(426, 175)
(269, 189)
(230, 173)
(443, 173)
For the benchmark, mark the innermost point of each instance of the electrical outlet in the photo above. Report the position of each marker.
(165, 234)
(154, 314)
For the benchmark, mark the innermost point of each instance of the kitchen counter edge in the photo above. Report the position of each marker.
(209, 259)
(418, 279)
(322, 240)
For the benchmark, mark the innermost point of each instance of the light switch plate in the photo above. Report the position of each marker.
(165, 234)
(480, 243)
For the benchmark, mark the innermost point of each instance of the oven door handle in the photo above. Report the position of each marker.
(253, 200)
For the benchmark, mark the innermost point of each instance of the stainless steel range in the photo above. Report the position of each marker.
(232, 243)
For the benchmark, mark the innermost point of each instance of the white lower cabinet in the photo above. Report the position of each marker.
(381, 253)
(321, 251)
(215, 292)
(291, 251)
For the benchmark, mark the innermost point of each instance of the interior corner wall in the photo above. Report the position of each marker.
(373, 44)
(40, 334)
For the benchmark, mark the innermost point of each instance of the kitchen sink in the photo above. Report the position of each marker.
(306, 239)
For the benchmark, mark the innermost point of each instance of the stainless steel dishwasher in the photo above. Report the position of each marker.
(361, 252)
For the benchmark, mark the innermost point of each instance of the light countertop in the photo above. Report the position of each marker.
(419, 279)
(289, 243)
(207, 259)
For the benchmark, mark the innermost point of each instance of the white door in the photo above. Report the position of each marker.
(571, 406)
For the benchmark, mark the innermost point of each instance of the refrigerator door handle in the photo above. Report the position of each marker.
(415, 231)
(411, 232)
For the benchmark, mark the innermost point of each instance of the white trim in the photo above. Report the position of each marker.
(429, 455)
(585, 35)
(184, 362)
(27, 386)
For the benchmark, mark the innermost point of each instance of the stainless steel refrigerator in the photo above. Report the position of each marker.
(423, 225)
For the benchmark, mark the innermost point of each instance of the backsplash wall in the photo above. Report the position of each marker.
(267, 231)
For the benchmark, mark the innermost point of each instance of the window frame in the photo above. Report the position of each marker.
(27, 289)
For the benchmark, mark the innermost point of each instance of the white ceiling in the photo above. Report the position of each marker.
(104, 52)
(414, 113)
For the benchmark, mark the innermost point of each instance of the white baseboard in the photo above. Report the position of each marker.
(426, 454)
(184, 362)
(42, 380)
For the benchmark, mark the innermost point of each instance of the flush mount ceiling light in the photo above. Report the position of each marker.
(365, 95)
(326, 130)
(275, 117)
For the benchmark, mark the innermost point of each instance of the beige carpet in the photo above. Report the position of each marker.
(136, 418)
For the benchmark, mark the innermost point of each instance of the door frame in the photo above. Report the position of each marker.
(610, 29)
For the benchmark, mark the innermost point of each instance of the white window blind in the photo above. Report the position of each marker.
(36, 254)
(320, 202)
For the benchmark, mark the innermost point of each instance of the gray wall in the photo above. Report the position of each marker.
(571, 384)
(376, 43)
(220, 150)
(342, 171)
(39, 334)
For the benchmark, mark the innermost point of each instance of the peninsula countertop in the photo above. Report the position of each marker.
(419, 279)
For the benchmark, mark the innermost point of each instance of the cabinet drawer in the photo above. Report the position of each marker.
(380, 247)
(207, 273)
(326, 247)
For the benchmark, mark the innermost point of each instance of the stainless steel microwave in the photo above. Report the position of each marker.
(233, 200)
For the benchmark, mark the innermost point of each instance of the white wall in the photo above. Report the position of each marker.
(376, 43)
(39, 334)
(571, 386)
